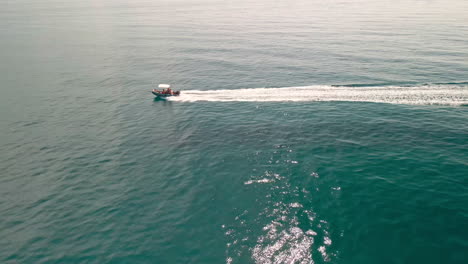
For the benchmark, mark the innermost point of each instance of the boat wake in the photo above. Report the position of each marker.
(447, 94)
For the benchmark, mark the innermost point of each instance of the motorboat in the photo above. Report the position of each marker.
(165, 91)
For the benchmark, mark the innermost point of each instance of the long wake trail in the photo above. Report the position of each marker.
(454, 95)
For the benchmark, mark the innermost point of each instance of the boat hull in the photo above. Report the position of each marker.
(162, 95)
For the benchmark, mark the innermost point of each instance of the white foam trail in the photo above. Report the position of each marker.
(419, 95)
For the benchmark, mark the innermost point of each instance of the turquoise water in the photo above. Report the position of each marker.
(307, 132)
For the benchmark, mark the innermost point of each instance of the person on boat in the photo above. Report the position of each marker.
(169, 91)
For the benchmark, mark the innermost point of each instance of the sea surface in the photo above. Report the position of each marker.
(307, 131)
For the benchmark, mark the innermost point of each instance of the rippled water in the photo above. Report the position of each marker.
(307, 132)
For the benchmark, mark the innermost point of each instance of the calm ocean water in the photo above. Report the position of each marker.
(307, 131)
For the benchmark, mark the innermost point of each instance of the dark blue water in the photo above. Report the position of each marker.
(306, 132)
